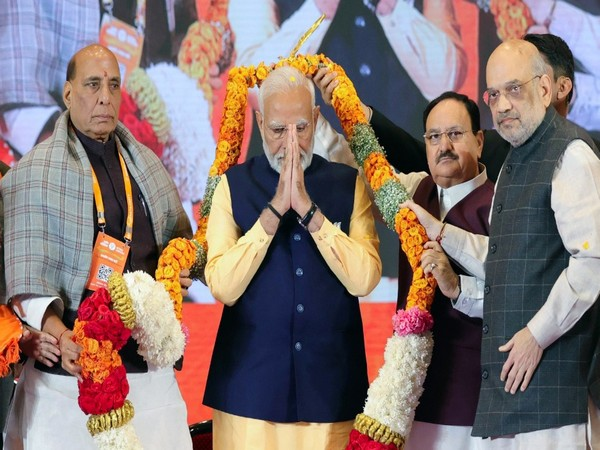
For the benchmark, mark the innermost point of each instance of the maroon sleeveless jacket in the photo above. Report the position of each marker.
(454, 376)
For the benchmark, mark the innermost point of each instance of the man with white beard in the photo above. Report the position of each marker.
(288, 367)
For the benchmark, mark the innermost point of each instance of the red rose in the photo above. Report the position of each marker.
(90, 305)
(108, 327)
(103, 310)
(145, 134)
(94, 330)
(88, 308)
(130, 121)
(118, 335)
(114, 389)
(128, 106)
(88, 393)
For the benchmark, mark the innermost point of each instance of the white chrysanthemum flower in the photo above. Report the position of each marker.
(190, 150)
(157, 331)
(394, 394)
(121, 438)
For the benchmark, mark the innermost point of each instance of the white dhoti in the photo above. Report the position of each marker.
(45, 414)
(583, 436)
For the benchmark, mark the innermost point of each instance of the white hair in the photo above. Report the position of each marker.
(281, 80)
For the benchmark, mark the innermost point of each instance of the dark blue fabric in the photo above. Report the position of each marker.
(257, 370)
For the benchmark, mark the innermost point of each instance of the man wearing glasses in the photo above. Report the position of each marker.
(459, 193)
(407, 153)
(540, 354)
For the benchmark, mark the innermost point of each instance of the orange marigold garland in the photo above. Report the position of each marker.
(512, 18)
(208, 42)
(179, 254)
(393, 396)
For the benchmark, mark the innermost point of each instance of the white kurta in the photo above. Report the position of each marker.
(45, 414)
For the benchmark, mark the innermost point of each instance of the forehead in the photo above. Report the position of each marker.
(448, 113)
(506, 66)
(96, 64)
(288, 107)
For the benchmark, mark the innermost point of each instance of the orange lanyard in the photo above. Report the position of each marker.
(128, 194)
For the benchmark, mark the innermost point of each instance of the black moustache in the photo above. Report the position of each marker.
(446, 154)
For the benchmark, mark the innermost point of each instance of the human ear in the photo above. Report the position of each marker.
(565, 86)
(67, 89)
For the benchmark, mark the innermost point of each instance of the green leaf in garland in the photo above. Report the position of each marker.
(388, 200)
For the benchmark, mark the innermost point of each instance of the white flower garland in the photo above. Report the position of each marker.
(157, 331)
(121, 438)
(394, 394)
(189, 151)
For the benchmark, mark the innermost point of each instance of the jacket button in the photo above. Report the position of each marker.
(299, 272)
(493, 248)
(298, 346)
(297, 237)
(360, 21)
(499, 208)
(486, 290)
(485, 329)
(485, 375)
(508, 168)
(300, 307)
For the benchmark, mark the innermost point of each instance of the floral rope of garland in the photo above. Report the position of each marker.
(208, 42)
(512, 18)
(148, 101)
(393, 396)
(133, 305)
(101, 332)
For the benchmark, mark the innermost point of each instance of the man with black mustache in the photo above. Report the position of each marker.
(457, 192)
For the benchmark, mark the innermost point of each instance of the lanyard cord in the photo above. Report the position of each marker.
(129, 196)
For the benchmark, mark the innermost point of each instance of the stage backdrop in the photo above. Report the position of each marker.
(399, 53)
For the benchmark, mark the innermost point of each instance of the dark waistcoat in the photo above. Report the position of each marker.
(453, 377)
(525, 257)
(291, 349)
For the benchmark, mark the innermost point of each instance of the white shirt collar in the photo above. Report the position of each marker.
(460, 191)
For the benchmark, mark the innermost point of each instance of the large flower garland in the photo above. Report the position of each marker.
(393, 396)
(208, 42)
(179, 133)
(133, 305)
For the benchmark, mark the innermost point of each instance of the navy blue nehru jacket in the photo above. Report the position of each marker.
(291, 349)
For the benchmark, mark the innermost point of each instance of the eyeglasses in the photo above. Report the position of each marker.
(455, 136)
(278, 132)
(512, 91)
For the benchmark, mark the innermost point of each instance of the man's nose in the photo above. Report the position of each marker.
(503, 103)
(445, 142)
(105, 94)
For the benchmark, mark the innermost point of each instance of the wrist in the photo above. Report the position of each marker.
(307, 218)
(61, 335)
(440, 235)
(457, 290)
(274, 211)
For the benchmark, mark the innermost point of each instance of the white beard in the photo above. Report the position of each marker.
(275, 161)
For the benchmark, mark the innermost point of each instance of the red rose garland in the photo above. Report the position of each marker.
(131, 116)
(101, 333)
